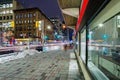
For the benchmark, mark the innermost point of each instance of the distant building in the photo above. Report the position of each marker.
(57, 27)
(57, 22)
(32, 24)
(6, 13)
(6, 18)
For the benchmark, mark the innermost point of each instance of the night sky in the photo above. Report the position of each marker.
(49, 7)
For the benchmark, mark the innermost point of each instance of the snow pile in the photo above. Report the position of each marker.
(18, 55)
(30, 52)
(5, 59)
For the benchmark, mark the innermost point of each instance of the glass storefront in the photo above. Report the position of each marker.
(104, 48)
(83, 45)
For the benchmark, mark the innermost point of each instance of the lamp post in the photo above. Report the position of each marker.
(48, 28)
(42, 28)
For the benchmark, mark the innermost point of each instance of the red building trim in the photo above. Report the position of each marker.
(81, 14)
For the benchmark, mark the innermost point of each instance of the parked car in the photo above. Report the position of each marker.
(39, 48)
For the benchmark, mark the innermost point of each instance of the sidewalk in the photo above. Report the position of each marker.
(74, 73)
(55, 65)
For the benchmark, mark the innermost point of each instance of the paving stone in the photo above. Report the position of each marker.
(45, 66)
(1, 78)
(50, 78)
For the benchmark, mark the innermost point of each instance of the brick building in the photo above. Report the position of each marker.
(31, 24)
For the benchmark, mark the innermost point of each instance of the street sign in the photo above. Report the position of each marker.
(12, 24)
(37, 23)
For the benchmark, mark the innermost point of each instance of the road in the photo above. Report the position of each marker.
(22, 47)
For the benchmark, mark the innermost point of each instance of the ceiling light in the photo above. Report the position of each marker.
(100, 25)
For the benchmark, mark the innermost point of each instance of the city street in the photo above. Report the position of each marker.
(52, 65)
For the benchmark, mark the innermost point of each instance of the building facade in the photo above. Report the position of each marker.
(57, 26)
(6, 13)
(32, 24)
(7, 17)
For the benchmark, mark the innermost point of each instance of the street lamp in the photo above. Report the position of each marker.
(48, 27)
(63, 26)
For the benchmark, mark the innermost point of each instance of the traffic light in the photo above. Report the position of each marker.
(104, 36)
(89, 36)
(45, 37)
(57, 36)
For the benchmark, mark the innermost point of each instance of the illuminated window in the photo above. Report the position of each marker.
(28, 15)
(7, 11)
(3, 5)
(28, 21)
(7, 5)
(11, 5)
(4, 12)
(22, 22)
(34, 14)
(25, 21)
(16, 22)
(11, 11)
(19, 22)
(34, 21)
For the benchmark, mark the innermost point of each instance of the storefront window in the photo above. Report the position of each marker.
(83, 45)
(104, 48)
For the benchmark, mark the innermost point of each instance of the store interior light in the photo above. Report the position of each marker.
(118, 17)
(90, 32)
(118, 26)
(100, 25)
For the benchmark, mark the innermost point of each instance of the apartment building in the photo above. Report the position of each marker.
(31, 24)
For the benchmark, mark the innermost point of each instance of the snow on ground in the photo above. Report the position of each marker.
(23, 51)
(17, 55)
